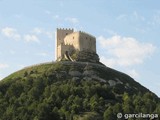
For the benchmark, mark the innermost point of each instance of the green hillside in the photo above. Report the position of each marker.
(73, 91)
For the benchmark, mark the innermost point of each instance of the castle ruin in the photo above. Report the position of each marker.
(75, 46)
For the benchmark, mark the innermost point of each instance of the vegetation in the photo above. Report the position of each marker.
(47, 92)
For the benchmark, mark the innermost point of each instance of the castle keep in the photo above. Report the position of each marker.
(75, 46)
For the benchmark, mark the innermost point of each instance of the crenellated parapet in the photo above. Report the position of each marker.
(65, 29)
(87, 34)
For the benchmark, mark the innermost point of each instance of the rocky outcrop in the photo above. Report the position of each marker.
(86, 56)
(112, 82)
(75, 73)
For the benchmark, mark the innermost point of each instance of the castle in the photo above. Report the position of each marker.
(69, 42)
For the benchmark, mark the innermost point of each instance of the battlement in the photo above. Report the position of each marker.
(87, 34)
(65, 29)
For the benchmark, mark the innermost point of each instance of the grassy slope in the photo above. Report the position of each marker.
(103, 72)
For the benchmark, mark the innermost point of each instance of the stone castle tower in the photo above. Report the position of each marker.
(69, 43)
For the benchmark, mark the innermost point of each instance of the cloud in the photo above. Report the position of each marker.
(56, 17)
(111, 32)
(11, 33)
(110, 62)
(18, 16)
(133, 16)
(3, 66)
(72, 20)
(1, 78)
(31, 38)
(37, 31)
(156, 18)
(21, 66)
(133, 73)
(50, 34)
(124, 51)
(43, 54)
(122, 17)
(61, 3)
(12, 52)
(141, 30)
(48, 12)
(137, 16)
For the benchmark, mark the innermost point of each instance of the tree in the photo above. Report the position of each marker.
(109, 115)
(117, 108)
(127, 103)
(45, 112)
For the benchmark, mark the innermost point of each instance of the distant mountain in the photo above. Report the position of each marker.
(74, 91)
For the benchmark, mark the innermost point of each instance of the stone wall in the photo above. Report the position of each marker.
(86, 56)
(81, 41)
(87, 42)
(60, 35)
(73, 39)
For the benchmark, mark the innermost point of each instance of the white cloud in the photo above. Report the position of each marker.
(50, 34)
(137, 16)
(11, 33)
(141, 30)
(3, 66)
(12, 52)
(37, 31)
(1, 78)
(17, 16)
(156, 18)
(43, 54)
(72, 20)
(21, 66)
(48, 12)
(110, 62)
(122, 17)
(31, 38)
(133, 73)
(133, 16)
(124, 51)
(61, 4)
(111, 32)
(56, 17)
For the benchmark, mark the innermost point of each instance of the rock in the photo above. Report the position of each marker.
(89, 73)
(112, 83)
(99, 79)
(118, 81)
(75, 73)
(75, 78)
(87, 56)
(61, 74)
(87, 78)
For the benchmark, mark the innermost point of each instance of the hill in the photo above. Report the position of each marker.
(73, 91)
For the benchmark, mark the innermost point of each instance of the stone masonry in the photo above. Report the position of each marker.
(70, 43)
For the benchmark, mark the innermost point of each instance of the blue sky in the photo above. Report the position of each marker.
(127, 32)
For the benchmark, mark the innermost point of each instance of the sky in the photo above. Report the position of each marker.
(127, 34)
